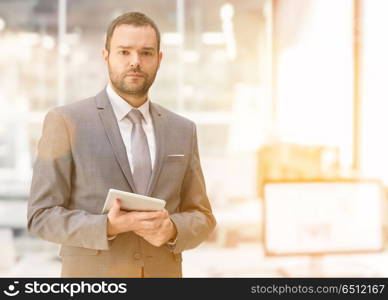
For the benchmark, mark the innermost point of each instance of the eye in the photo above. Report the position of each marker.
(124, 52)
(147, 53)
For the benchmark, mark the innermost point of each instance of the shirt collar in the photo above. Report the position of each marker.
(121, 108)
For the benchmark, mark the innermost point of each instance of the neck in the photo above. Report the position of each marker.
(134, 100)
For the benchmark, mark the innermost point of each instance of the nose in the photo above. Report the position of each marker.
(134, 61)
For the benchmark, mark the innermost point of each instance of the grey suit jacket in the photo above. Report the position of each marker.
(81, 155)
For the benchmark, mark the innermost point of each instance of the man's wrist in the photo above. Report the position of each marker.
(174, 235)
(110, 233)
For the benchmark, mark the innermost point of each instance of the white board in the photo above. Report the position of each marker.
(322, 217)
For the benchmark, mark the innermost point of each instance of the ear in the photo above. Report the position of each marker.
(160, 58)
(105, 55)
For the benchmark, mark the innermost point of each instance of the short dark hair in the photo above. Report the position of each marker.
(137, 19)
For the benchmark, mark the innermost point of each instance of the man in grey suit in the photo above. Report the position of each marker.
(120, 139)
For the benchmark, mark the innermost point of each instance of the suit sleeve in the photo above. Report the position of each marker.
(195, 220)
(48, 216)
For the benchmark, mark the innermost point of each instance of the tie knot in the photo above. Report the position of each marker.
(135, 116)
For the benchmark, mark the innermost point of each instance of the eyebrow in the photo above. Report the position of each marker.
(129, 47)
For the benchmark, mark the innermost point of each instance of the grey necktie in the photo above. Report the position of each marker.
(141, 158)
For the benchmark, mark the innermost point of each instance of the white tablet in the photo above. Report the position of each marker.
(131, 201)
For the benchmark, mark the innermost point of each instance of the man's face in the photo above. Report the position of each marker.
(133, 59)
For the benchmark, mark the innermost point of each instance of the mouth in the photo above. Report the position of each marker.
(135, 75)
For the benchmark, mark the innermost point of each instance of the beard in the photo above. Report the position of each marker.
(122, 84)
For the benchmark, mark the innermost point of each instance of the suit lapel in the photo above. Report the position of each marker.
(113, 132)
(159, 130)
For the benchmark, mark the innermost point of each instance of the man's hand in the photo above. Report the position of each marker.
(155, 227)
(158, 230)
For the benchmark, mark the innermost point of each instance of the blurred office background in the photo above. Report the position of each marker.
(287, 93)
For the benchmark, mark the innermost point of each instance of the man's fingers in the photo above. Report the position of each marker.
(148, 215)
(148, 226)
(115, 209)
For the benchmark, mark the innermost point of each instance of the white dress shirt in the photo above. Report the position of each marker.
(121, 108)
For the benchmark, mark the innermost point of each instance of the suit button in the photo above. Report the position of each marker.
(136, 255)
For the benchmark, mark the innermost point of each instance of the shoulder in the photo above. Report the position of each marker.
(71, 116)
(77, 112)
(80, 107)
